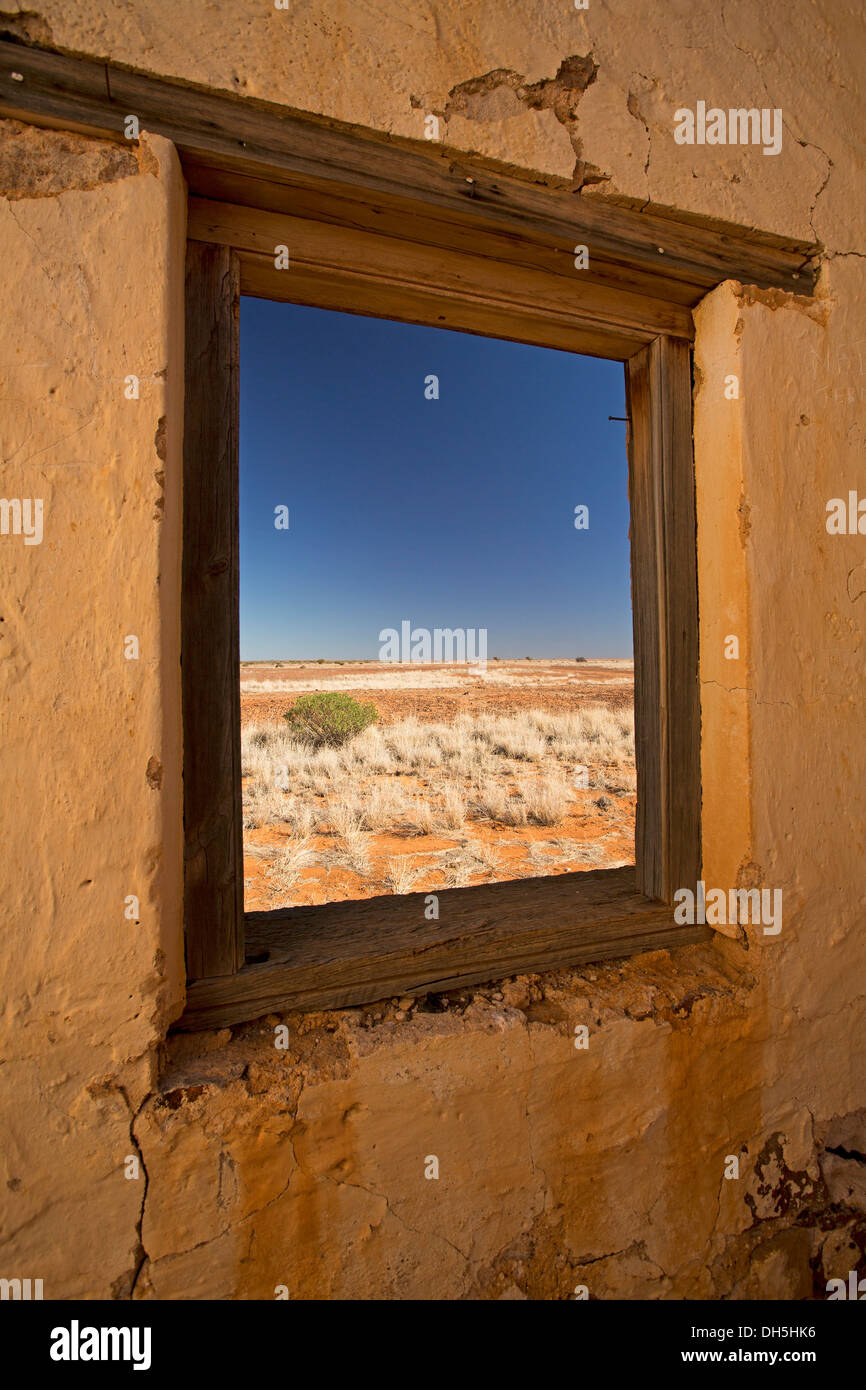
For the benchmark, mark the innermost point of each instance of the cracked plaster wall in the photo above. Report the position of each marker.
(92, 291)
(558, 1167)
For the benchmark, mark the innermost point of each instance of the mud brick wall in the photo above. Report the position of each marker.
(559, 1166)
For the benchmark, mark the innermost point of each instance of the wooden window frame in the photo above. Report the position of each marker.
(406, 230)
(242, 965)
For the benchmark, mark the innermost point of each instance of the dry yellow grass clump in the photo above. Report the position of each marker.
(328, 823)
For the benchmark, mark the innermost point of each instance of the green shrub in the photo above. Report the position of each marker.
(328, 719)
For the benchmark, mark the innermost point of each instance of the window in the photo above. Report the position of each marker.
(352, 952)
(413, 233)
(419, 509)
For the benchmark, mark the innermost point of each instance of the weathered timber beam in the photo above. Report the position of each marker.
(224, 135)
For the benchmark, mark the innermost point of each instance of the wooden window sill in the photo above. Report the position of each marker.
(350, 953)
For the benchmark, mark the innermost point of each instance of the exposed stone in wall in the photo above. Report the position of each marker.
(39, 164)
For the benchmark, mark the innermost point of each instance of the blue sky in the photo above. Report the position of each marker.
(451, 513)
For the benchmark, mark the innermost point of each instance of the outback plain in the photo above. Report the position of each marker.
(464, 776)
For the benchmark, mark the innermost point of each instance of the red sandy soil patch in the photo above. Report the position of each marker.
(599, 839)
(589, 836)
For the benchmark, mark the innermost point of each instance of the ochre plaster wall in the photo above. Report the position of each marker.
(558, 1166)
(93, 244)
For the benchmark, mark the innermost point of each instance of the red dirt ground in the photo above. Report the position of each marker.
(599, 837)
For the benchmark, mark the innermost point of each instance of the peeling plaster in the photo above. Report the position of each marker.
(39, 164)
(497, 95)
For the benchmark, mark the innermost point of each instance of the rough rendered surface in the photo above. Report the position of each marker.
(558, 1166)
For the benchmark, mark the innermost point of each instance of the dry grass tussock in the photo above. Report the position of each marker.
(591, 736)
(415, 780)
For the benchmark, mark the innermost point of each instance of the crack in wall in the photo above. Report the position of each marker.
(633, 105)
(371, 1192)
(805, 144)
(140, 1253)
(854, 1155)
